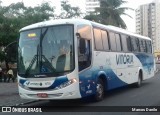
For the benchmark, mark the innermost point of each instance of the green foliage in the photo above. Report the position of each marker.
(2, 56)
(17, 15)
(68, 11)
(109, 13)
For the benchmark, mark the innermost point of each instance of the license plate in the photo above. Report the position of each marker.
(42, 95)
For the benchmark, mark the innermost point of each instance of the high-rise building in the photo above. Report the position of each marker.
(147, 21)
(91, 5)
(157, 25)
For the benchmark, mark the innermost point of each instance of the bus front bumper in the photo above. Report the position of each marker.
(69, 92)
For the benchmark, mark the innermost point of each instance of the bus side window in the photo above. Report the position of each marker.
(145, 45)
(138, 44)
(105, 40)
(112, 40)
(141, 45)
(124, 43)
(134, 44)
(149, 46)
(98, 39)
(118, 42)
(129, 43)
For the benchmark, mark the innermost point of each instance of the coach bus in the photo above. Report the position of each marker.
(76, 58)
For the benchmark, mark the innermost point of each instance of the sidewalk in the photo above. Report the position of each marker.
(9, 95)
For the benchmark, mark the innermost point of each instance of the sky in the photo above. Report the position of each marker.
(130, 22)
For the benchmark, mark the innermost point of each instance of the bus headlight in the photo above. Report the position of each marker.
(65, 84)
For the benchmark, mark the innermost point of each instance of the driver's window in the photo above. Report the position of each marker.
(84, 47)
(84, 59)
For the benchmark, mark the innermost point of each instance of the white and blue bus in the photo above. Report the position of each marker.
(76, 58)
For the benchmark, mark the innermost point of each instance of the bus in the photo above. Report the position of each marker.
(76, 58)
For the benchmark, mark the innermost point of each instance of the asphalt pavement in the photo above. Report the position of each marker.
(9, 95)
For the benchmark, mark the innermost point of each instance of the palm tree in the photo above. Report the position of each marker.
(110, 11)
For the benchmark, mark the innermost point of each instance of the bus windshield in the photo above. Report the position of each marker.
(47, 50)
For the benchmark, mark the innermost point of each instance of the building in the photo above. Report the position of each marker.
(91, 5)
(148, 22)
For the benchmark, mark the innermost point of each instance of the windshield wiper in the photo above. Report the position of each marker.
(33, 61)
(48, 63)
(38, 56)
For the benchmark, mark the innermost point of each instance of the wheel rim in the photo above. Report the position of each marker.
(99, 91)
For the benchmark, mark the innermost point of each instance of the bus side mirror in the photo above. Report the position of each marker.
(78, 35)
(82, 46)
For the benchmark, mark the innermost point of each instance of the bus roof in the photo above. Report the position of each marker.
(81, 21)
(56, 22)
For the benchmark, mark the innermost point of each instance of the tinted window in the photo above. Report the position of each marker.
(137, 43)
(112, 41)
(105, 40)
(149, 46)
(129, 43)
(118, 42)
(134, 44)
(98, 39)
(124, 42)
(84, 60)
(142, 45)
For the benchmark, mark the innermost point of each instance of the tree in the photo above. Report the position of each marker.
(110, 11)
(38, 14)
(16, 16)
(68, 11)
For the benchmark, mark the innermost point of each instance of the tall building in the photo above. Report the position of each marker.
(147, 21)
(91, 5)
(157, 30)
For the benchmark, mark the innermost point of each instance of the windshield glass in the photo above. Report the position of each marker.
(46, 50)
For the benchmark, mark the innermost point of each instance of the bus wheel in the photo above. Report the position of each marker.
(139, 82)
(99, 91)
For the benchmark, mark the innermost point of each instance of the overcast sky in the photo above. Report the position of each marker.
(81, 3)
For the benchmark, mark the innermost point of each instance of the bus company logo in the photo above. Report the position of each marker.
(35, 84)
(27, 83)
(124, 59)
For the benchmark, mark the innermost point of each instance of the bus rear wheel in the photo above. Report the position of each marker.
(139, 82)
(99, 91)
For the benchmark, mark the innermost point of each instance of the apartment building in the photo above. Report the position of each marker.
(148, 22)
(91, 5)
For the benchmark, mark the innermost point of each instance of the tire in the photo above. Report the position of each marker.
(139, 82)
(99, 91)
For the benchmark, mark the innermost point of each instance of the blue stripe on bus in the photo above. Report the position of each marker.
(22, 81)
(88, 78)
(147, 61)
(58, 81)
